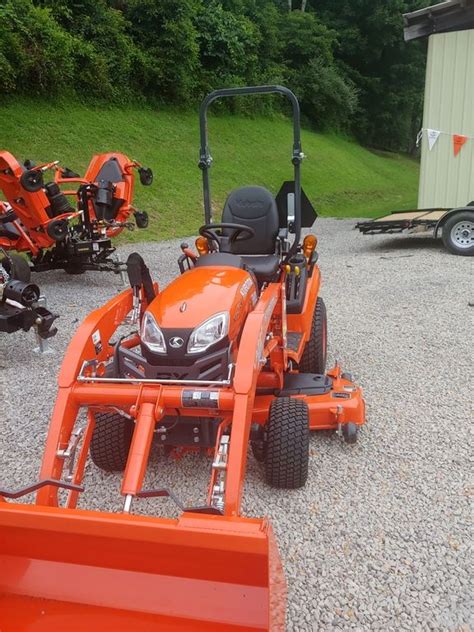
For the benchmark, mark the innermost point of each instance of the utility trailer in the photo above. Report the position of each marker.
(454, 226)
(446, 189)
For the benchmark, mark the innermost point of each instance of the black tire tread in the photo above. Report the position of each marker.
(287, 454)
(314, 355)
(111, 441)
(19, 268)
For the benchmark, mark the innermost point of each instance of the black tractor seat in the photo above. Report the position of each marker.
(255, 207)
(265, 267)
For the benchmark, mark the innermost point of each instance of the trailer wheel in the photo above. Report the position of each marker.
(18, 267)
(287, 453)
(458, 233)
(111, 441)
(314, 355)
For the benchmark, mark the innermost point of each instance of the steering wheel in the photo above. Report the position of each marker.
(237, 232)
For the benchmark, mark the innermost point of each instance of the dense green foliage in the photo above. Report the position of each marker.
(340, 177)
(345, 59)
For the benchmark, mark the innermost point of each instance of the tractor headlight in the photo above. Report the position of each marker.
(209, 332)
(151, 334)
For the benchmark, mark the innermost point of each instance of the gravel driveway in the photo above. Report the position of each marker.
(379, 537)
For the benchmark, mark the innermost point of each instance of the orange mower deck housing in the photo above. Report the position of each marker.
(72, 227)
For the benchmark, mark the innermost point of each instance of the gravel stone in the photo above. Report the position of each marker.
(379, 537)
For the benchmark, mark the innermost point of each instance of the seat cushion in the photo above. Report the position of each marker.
(265, 267)
(219, 259)
(254, 207)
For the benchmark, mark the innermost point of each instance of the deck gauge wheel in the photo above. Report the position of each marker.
(350, 432)
(32, 181)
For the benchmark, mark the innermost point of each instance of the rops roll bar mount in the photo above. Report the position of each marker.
(205, 158)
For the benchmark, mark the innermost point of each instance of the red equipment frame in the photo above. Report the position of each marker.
(123, 190)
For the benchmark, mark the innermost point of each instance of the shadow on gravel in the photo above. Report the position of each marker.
(403, 244)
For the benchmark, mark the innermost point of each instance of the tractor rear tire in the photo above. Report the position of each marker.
(111, 441)
(19, 268)
(287, 449)
(314, 355)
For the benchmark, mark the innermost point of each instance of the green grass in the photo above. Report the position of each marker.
(341, 178)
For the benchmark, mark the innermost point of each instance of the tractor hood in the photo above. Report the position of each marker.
(200, 293)
(199, 313)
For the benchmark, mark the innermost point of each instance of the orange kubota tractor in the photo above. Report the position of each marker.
(39, 220)
(231, 354)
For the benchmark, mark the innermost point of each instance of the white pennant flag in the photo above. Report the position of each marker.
(419, 137)
(433, 135)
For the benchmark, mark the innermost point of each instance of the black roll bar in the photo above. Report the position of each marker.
(205, 158)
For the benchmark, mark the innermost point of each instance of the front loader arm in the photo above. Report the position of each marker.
(250, 360)
(91, 342)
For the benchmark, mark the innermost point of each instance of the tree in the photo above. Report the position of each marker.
(387, 72)
(327, 99)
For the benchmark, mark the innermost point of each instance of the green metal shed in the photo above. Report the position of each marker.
(446, 179)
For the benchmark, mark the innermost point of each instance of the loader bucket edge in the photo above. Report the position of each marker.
(73, 569)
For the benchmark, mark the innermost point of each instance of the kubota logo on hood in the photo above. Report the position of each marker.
(176, 342)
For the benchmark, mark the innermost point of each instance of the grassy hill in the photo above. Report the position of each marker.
(341, 178)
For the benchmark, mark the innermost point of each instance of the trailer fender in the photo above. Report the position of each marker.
(449, 214)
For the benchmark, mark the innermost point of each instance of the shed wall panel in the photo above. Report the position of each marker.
(446, 180)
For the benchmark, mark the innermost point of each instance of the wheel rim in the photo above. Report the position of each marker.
(462, 234)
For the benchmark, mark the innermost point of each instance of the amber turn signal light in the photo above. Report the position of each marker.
(309, 244)
(202, 246)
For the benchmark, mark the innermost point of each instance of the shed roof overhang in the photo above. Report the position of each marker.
(452, 15)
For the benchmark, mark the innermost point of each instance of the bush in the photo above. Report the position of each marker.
(35, 53)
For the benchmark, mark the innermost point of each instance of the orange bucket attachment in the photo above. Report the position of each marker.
(70, 569)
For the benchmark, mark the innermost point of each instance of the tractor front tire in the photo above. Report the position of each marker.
(314, 355)
(287, 448)
(111, 441)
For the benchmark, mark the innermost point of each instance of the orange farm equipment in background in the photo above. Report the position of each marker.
(39, 219)
(230, 355)
(22, 307)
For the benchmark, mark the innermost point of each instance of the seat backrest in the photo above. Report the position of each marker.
(254, 207)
